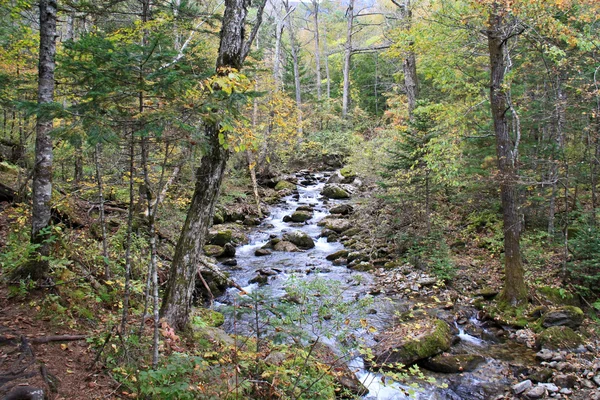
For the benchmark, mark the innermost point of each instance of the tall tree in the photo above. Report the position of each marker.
(42, 170)
(315, 12)
(409, 64)
(347, 57)
(233, 49)
(498, 33)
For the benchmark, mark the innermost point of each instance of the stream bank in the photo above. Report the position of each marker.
(301, 241)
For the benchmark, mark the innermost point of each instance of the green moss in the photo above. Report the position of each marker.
(347, 172)
(221, 237)
(283, 185)
(558, 296)
(559, 338)
(213, 250)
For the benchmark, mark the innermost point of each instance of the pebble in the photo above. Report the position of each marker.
(551, 387)
(545, 355)
(566, 391)
(522, 386)
(588, 384)
(535, 393)
(596, 380)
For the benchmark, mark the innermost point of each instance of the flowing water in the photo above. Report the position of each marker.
(310, 264)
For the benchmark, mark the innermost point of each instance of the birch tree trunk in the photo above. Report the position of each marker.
(515, 290)
(347, 58)
(42, 170)
(296, 61)
(315, 4)
(177, 300)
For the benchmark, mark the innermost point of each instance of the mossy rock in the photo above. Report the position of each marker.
(212, 250)
(452, 363)
(218, 218)
(559, 338)
(335, 192)
(210, 336)
(210, 317)
(407, 343)
(564, 316)
(352, 231)
(285, 185)
(221, 237)
(347, 172)
(301, 216)
(338, 254)
(336, 224)
(284, 245)
(344, 377)
(558, 296)
(300, 239)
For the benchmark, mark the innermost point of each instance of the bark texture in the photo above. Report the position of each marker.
(515, 290)
(42, 172)
(177, 300)
(347, 58)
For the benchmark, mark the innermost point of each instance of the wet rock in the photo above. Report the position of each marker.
(267, 272)
(260, 279)
(360, 266)
(228, 250)
(522, 386)
(212, 250)
(452, 363)
(327, 233)
(300, 239)
(334, 191)
(262, 252)
(337, 254)
(285, 185)
(565, 380)
(558, 338)
(230, 262)
(305, 208)
(284, 245)
(537, 392)
(412, 341)
(340, 262)
(357, 256)
(342, 209)
(301, 216)
(287, 218)
(251, 221)
(565, 316)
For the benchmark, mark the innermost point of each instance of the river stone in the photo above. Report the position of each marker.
(565, 380)
(522, 386)
(283, 185)
(305, 208)
(260, 279)
(452, 363)
(262, 252)
(342, 209)
(550, 387)
(228, 250)
(334, 191)
(361, 266)
(337, 254)
(251, 221)
(337, 225)
(300, 239)
(558, 338)
(565, 316)
(543, 375)
(342, 374)
(284, 245)
(212, 250)
(537, 392)
(301, 216)
(220, 237)
(409, 342)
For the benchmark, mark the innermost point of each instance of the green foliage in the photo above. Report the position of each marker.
(173, 379)
(583, 269)
(432, 253)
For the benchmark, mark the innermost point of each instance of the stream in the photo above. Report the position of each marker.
(486, 382)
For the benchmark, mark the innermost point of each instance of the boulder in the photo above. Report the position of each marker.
(212, 250)
(537, 392)
(337, 255)
(284, 245)
(251, 221)
(334, 191)
(300, 239)
(305, 208)
(228, 250)
(564, 316)
(452, 363)
(559, 338)
(522, 386)
(285, 185)
(335, 224)
(301, 216)
(409, 342)
(220, 237)
(262, 252)
(214, 336)
(260, 279)
(342, 209)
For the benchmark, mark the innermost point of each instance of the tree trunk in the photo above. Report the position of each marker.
(296, 60)
(347, 58)
(130, 212)
(101, 210)
(178, 295)
(317, 48)
(42, 170)
(515, 290)
(326, 63)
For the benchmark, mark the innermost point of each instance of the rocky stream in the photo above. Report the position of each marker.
(461, 357)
